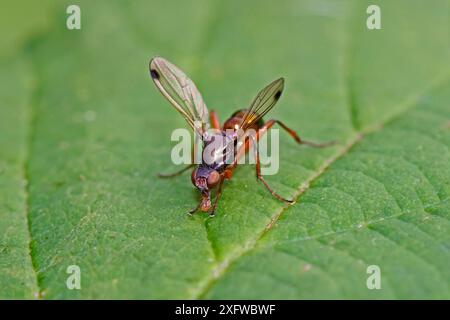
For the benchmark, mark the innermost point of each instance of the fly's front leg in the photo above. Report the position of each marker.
(227, 174)
(191, 212)
(269, 124)
(177, 173)
(258, 170)
(218, 194)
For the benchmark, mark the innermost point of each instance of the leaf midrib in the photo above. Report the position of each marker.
(224, 265)
(251, 244)
(34, 96)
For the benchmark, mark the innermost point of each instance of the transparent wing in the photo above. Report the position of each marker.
(181, 92)
(264, 101)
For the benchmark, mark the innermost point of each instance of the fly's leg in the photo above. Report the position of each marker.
(258, 171)
(214, 120)
(227, 174)
(269, 124)
(177, 173)
(246, 146)
(191, 212)
(218, 194)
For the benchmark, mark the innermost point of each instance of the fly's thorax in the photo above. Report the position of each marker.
(219, 149)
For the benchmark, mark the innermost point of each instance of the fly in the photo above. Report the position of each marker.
(182, 93)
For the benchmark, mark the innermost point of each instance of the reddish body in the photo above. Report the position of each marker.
(217, 164)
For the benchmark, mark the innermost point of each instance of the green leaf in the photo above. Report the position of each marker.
(84, 133)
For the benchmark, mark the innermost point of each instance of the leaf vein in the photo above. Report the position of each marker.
(224, 265)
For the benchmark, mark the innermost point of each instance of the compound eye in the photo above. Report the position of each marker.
(213, 178)
(193, 176)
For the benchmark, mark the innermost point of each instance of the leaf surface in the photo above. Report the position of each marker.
(84, 133)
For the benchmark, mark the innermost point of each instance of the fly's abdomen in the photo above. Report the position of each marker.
(236, 119)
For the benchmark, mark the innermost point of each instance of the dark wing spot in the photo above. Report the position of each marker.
(154, 74)
(277, 95)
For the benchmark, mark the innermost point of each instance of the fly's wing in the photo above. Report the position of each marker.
(181, 92)
(263, 103)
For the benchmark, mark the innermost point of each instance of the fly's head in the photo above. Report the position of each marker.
(205, 179)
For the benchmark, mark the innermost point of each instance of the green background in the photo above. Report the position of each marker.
(83, 132)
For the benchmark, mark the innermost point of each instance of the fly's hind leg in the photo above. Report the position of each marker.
(269, 124)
